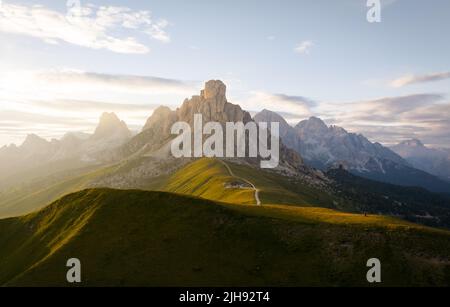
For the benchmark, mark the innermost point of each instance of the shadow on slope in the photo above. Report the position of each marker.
(161, 239)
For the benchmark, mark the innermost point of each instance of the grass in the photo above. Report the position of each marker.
(141, 238)
(200, 232)
(275, 188)
(36, 196)
(208, 178)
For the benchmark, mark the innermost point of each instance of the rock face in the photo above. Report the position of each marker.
(287, 132)
(111, 126)
(215, 90)
(161, 120)
(323, 146)
(212, 103)
(433, 160)
(35, 144)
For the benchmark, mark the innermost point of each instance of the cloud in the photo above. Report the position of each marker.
(415, 79)
(129, 83)
(391, 108)
(304, 47)
(51, 103)
(298, 105)
(295, 100)
(74, 84)
(96, 27)
(93, 106)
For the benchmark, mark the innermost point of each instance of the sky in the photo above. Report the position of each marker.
(62, 64)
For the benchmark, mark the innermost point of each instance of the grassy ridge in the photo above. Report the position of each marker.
(275, 188)
(207, 178)
(36, 196)
(130, 237)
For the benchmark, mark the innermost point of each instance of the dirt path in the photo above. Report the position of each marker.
(258, 201)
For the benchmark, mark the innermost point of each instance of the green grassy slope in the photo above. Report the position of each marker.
(38, 194)
(154, 239)
(279, 189)
(413, 204)
(35, 194)
(207, 178)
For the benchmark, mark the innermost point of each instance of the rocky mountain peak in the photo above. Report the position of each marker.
(109, 118)
(111, 125)
(213, 105)
(273, 117)
(269, 116)
(313, 124)
(33, 142)
(161, 116)
(412, 143)
(214, 89)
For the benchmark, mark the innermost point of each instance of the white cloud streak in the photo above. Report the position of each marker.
(75, 84)
(51, 103)
(296, 105)
(90, 26)
(304, 47)
(416, 79)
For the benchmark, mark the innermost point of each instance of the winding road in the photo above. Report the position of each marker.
(258, 201)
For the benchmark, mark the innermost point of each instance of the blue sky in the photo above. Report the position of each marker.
(388, 80)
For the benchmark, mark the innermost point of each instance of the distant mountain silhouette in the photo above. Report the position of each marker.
(432, 160)
(323, 146)
(74, 148)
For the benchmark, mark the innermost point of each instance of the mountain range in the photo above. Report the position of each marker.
(214, 107)
(325, 147)
(73, 150)
(435, 161)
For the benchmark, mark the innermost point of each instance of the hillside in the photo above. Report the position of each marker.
(35, 194)
(154, 239)
(228, 181)
(413, 204)
(206, 178)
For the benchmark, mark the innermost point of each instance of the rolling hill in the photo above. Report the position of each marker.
(413, 204)
(141, 238)
(228, 181)
(206, 178)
